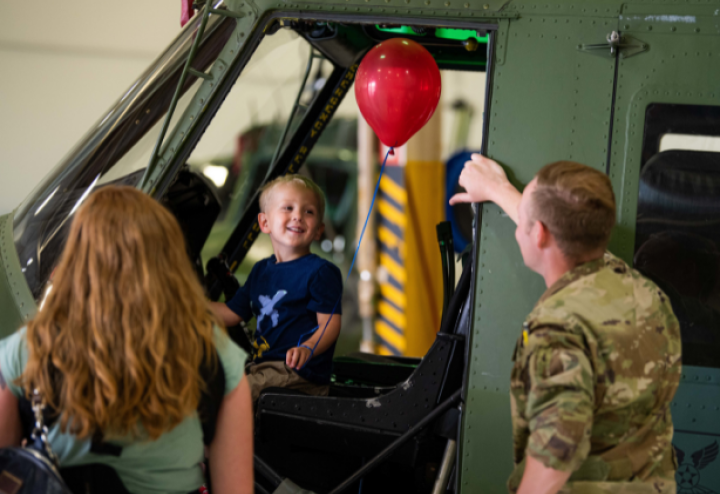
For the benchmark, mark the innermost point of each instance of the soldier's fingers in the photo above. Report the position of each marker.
(469, 176)
(478, 158)
(485, 162)
(460, 197)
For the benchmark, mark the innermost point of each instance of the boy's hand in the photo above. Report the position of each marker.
(296, 357)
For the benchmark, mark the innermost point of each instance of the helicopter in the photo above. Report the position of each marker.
(629, 88)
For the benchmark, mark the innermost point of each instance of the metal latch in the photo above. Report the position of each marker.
(625, 45)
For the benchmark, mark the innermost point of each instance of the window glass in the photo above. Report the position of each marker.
(677, 241)
(116, 150)
(690, 142)
(245, 130)
(238, 147)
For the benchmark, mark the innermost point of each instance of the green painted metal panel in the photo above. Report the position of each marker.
(682, 40)
(550, 101)
(415, 8)
(681, 66)
(236, 47)
(695, 410)
(505, 292)
(16, 301)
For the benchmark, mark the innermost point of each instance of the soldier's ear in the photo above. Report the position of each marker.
(542, 235)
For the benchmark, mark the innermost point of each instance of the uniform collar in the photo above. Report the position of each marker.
(575, 274)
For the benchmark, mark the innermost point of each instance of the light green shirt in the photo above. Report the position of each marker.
(170, 464)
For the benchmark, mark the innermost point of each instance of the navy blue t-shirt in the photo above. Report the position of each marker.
(285, 299)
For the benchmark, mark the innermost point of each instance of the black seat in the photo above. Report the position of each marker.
(318, 441)
(678, 213)
(365, 369)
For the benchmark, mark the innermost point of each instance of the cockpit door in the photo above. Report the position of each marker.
(665, 169)
(550, 99)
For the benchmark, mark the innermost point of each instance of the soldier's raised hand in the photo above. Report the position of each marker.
(485, 180)
(482, 178)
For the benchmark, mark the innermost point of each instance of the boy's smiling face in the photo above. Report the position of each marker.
(292, 220)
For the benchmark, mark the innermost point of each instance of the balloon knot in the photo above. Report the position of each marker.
(392, 151)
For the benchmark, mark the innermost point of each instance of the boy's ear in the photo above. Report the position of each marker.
(320, 230)
(263, 222)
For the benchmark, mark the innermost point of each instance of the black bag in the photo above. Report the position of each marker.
(32, 469)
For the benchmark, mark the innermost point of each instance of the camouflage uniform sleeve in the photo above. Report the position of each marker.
(560, 396)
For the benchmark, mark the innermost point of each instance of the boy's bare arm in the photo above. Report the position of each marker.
(298, 356)
(223, 312)
(330, 336)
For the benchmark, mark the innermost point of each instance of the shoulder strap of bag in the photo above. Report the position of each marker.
(211, 397)
(38, 439)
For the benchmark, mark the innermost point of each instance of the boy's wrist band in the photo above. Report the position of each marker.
(312, 352)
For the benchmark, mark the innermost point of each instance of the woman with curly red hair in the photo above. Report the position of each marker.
(118, 349)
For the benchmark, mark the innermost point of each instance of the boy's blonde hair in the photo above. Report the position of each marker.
(297, 181)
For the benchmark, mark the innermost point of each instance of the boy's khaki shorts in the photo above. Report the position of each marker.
(277, 374)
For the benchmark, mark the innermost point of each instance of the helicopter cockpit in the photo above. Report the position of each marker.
(287, 106)
(117, 150)
(252, 90)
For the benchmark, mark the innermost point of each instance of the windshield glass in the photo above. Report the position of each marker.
(116, 150)
(238, 147)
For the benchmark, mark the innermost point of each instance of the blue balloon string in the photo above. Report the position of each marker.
(352, 264)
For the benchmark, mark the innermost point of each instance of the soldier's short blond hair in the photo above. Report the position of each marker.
(577, 205)
(296, 181)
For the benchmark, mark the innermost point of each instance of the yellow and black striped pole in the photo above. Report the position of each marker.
(391, 322)
(411, 203)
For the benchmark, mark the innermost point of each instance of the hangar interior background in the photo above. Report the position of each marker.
(65, 64)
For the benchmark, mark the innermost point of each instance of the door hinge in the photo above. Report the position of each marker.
(624, 45)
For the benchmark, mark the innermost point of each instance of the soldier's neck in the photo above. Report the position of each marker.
(557, 264)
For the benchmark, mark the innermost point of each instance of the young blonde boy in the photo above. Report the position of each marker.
(290, 293)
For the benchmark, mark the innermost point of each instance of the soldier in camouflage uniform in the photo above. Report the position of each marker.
(598, 360)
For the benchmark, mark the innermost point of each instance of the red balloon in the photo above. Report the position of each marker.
(397, 87)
